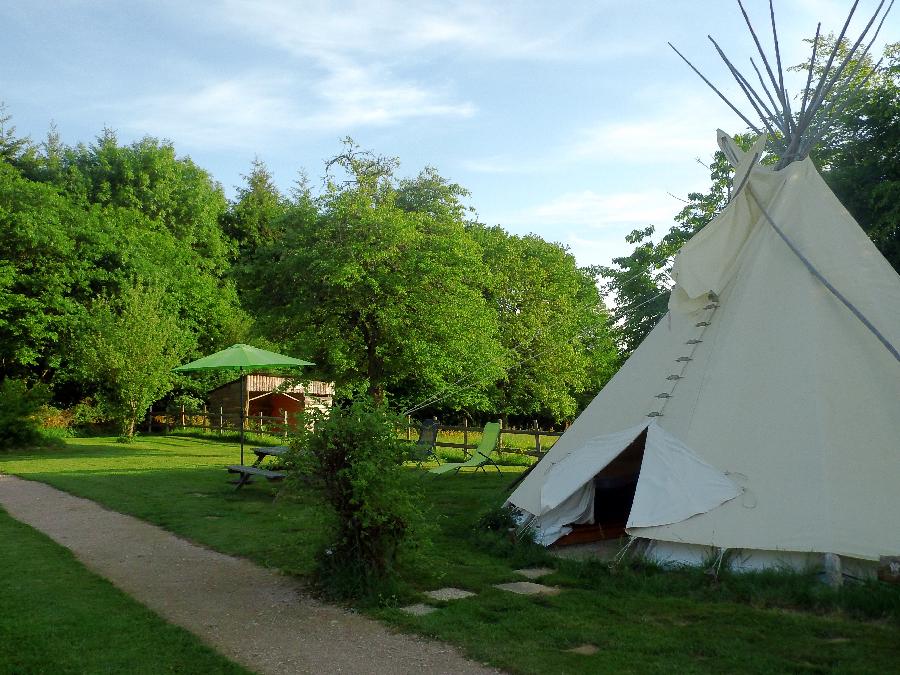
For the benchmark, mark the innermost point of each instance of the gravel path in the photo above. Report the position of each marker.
(257, 617)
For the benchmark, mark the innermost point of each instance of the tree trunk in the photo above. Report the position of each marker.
(374, 364)
(129, 422)
(376, 391)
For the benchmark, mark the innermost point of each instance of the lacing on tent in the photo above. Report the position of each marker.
(685, 360)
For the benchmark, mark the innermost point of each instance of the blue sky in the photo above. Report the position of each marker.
(573, 120)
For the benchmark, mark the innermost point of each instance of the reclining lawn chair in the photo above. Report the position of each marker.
(481, 456)
(423, 449)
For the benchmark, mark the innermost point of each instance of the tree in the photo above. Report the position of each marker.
(641, 281)
(859, 155)
(58, 256)
(20, 406)
(354, 457)
(251, 219)
(42, 273)
(372, 279)
(147, 176)
(553, 325)
(12, 147)
(129, 347)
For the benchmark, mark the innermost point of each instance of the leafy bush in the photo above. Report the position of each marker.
(354, 457)
(496, 532)
(88, 412)
(51, 417)
(19, 413)
(500, 519)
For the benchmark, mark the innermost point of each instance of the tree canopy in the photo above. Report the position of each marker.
(372, 280)
(63, 248)
(384, 279)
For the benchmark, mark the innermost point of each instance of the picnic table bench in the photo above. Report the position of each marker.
(247, 472)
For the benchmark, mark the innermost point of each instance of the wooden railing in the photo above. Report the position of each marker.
(540, 448)
(220, 422)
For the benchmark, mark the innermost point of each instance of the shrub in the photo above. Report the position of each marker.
(51, 417)
(354, 457)
(499, 519)
(19, 413)
(497, 532)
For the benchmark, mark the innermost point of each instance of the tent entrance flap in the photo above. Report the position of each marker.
(675, 484)
(614, 487)
(638, 478)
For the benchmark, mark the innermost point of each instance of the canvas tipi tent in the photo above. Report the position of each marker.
(762, 414)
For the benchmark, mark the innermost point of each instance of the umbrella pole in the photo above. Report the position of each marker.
(243, 399)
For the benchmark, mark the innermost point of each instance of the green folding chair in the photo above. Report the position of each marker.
(481, 456)
(423, 449)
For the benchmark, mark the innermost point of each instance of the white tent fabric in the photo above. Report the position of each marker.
(787, 392)
(674, 483)
(573, 471)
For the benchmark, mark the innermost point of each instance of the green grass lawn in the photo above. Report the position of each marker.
(642, 620)
(57, 617)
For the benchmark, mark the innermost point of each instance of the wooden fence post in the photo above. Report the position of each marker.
(182, 417)
(408, 426)
(221, 420)
(285, 424)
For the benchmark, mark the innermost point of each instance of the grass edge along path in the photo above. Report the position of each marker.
(57, 616)
(258, 617)
(657, 624)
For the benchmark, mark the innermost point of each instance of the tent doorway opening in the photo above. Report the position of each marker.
(614, 489)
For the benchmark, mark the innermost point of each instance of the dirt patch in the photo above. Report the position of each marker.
(257, 617)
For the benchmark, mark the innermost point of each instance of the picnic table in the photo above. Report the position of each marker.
(246, 473)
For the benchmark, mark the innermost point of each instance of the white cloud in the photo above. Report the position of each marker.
(360, 64)
(663, 139)
(590, 249)
(678, 130)
(230, 113)
(680, 127)
(600, 211)
(355, 95)
(506, 165)
(389, 29)
(593, 225)
(242, 112)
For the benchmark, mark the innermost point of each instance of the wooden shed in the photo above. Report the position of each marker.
(271, 396)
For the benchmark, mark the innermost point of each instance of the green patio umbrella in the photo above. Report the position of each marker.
(242, 358)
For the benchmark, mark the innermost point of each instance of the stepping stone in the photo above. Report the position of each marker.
(584, 650)
(527, 588)
(448, 593)
(535, 572)
(419, 609)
